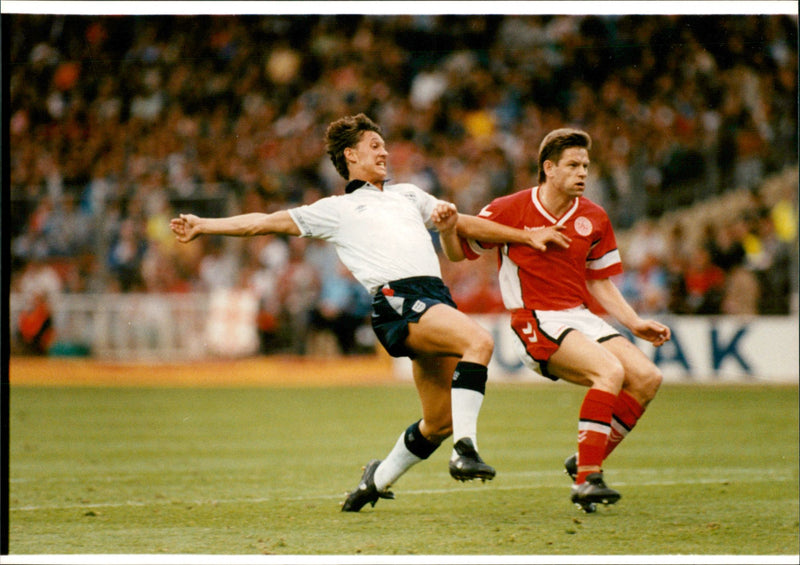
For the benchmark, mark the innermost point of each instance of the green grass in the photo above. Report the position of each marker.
(709, 471)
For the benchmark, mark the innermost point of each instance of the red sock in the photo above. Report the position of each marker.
(593, 430)
(627, 412)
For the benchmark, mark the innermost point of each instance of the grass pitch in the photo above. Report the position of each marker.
(254, 471)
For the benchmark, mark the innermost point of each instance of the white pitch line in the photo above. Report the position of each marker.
(630, 472)
(750, 475)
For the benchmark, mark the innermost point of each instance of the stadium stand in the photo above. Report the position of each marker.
(115, 123)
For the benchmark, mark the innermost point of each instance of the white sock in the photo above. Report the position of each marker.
(399, 460)
(466, 405)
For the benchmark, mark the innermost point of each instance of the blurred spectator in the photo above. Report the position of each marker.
(159, 271)
(265, 259)
(651, 282)
(342, 308)
(725, 246)
(322, 257)
(784, 213)
(67, 229)
(40, 285)
(725, 243)
(218, 267)
(677, 293)
(35, 325)
(156, 228)
(299, 288)
(126, 255)
(772, 266)
(704, 283)
(741, 293)
(647, 243)
(38, 278)
(263, 283)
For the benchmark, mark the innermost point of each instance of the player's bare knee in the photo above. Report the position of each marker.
(651, 381)
(644, 384)
(481, 346)
(611, 375)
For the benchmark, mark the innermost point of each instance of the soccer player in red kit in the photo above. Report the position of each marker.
(548, 294)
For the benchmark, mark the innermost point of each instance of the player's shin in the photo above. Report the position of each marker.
(594, 427)
(469, 386)
(468, 390)
(627, 412)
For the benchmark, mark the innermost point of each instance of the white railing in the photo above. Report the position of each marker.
(128, 326)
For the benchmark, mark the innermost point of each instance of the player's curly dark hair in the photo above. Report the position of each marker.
(555, 142)
(346, 132)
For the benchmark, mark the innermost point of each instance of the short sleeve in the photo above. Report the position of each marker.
(319, 220)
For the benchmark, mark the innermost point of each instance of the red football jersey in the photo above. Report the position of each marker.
(552, 279)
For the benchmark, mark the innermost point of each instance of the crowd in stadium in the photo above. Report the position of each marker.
(118, 123)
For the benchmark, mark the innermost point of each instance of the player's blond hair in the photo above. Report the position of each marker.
(555, 142)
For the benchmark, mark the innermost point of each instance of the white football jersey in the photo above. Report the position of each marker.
(380, 235)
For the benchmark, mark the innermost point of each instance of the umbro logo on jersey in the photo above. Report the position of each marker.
(418, 306)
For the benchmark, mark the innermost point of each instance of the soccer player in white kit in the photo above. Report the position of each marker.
(546, 293)
(380, 232)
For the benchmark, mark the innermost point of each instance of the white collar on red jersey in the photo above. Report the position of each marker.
(543, 211)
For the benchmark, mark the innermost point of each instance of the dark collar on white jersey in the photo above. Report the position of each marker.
(355, 184)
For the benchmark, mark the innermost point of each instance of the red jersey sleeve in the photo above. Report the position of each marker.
(603, 260)
(474, 249)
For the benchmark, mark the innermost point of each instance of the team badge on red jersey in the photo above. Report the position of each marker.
(583, 226)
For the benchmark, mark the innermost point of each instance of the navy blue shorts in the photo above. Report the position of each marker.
(401, 302)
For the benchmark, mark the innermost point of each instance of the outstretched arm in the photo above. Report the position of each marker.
(445, 216)
(480, 229)
(186, 227)
(610, 298)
